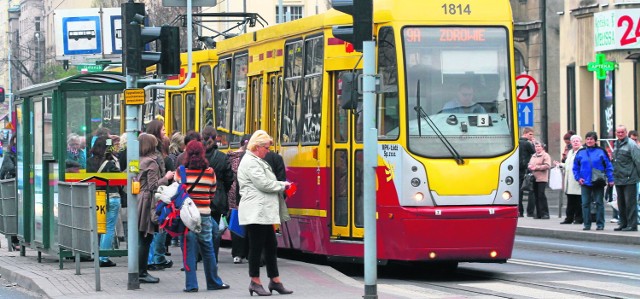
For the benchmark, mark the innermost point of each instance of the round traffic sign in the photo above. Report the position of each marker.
(526, 88)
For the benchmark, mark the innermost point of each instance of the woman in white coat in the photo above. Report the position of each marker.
(571, 186)
(259, 210)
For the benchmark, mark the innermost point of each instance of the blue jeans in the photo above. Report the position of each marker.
(202, 242)
(112, 216)
(590, 194)
(158, 249)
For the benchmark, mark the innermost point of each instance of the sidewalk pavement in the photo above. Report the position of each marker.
(306, 280)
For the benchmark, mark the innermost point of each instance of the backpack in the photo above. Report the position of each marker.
(181, 214)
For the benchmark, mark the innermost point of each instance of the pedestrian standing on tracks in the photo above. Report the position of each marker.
(626, 173)
(201, 180)
(590, 161)
(526, 150)
(539, 165)
(103, 161)
(259, 210)
(571, 186)
(150, 177)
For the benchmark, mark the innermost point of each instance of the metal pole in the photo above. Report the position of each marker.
(132, 123)
(370, 164)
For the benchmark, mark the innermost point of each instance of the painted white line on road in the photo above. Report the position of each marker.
(606, 286)
(519, 290)
(590, 247)
(535, 272)
(575, 269)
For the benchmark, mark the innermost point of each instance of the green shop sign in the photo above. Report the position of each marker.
(601, 66)
(91, 68)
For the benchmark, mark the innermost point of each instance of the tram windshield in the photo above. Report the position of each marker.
(458, 91)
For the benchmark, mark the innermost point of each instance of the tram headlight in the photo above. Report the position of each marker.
(506, 195)
(415, 182)
(418, 196)
(508, 180)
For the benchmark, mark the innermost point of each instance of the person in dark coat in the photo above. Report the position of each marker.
(526, 151)
(220, 164)
(8, 171)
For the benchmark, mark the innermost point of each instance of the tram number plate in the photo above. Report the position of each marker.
(134, 96)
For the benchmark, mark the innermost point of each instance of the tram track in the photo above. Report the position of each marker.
(477, 282)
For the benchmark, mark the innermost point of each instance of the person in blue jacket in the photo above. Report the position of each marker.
(588, 158)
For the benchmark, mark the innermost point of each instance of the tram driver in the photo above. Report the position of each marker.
(464, 102)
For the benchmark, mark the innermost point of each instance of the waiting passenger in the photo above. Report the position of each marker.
(76, 157)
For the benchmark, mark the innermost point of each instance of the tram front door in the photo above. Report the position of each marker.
(347, 158)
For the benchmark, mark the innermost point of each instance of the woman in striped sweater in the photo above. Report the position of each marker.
(199, 173)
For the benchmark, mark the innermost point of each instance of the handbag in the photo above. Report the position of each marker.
(234, 224)
(527, 182)
(597, 178)
(555, 178)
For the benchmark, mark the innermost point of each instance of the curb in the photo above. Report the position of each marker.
(589, 236)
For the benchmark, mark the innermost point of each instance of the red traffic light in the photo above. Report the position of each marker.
(1, 94)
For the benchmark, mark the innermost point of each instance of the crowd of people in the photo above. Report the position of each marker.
(251, 180)
(591, 174)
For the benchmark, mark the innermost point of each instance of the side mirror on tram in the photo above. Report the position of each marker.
(348, 90)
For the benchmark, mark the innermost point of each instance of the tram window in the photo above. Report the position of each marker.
(190, 103)
(223, 94)
(206, 97)
(388, 115)
(437, 66)
(239, 98)
(291, 108)
(176, 109)
(312, 99)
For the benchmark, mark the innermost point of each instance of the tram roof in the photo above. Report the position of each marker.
(78, 82)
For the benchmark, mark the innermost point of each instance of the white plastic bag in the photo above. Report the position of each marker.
(222, 226)
(555, 178)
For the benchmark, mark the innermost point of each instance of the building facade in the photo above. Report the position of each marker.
(536, 39)
(599, 70)
(269, 10)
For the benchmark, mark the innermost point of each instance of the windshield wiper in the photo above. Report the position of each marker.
(423, 115)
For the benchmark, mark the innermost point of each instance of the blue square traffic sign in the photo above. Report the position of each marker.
(525, 114)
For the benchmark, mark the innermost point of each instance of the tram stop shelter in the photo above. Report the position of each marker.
(55, 122)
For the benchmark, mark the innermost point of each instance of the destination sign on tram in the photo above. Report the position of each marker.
(448, 35)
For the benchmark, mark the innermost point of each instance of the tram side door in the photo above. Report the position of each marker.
(182, 112)
(346, 170)
(274, 96)
(255, 98)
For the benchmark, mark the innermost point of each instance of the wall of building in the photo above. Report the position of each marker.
(577, 48)
(266, 9)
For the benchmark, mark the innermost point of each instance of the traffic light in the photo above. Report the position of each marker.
(136, 38)
(362, 13)
(1, 94)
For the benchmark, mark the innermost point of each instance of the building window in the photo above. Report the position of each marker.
(290, 13)
(571, 98)
(519, 61)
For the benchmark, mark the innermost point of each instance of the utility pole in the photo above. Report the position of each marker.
(360, 34)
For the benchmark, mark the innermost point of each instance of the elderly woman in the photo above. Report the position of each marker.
(571, 186)
(590, 160)
(539, 165)
(259, 209)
